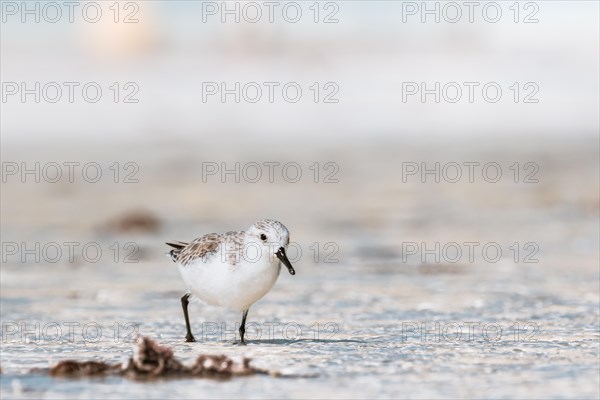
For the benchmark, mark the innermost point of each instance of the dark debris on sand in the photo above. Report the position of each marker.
(152, 361)
(83, 368)
(133, 221)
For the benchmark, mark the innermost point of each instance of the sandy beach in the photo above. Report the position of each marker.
(364, 317)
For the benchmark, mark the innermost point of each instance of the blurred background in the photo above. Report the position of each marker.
(145, 94)
(369, 52)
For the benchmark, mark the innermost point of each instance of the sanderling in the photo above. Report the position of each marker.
(233, 269)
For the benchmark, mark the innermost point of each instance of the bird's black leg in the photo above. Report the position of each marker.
(184, 303)
(243, 326)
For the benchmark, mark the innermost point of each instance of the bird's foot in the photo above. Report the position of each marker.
(190, 338)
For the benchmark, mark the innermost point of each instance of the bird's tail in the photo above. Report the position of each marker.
(177, 247)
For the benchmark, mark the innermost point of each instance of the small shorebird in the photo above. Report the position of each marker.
(233, 269)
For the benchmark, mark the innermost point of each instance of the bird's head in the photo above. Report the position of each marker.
(273, 238)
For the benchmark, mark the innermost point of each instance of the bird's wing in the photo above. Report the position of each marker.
(202, 248)
(206, 247)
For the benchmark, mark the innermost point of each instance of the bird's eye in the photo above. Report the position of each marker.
(263, 237)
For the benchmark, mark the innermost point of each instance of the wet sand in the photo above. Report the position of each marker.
(363, 318)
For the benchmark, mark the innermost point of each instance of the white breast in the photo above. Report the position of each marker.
(233, 286)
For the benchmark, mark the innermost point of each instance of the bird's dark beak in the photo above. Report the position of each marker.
(281, 255)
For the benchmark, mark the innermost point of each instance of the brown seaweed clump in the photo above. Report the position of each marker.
(82, 368)
(151, 360)
(222, 367)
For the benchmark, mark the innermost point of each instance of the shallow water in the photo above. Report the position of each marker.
(362, 319)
